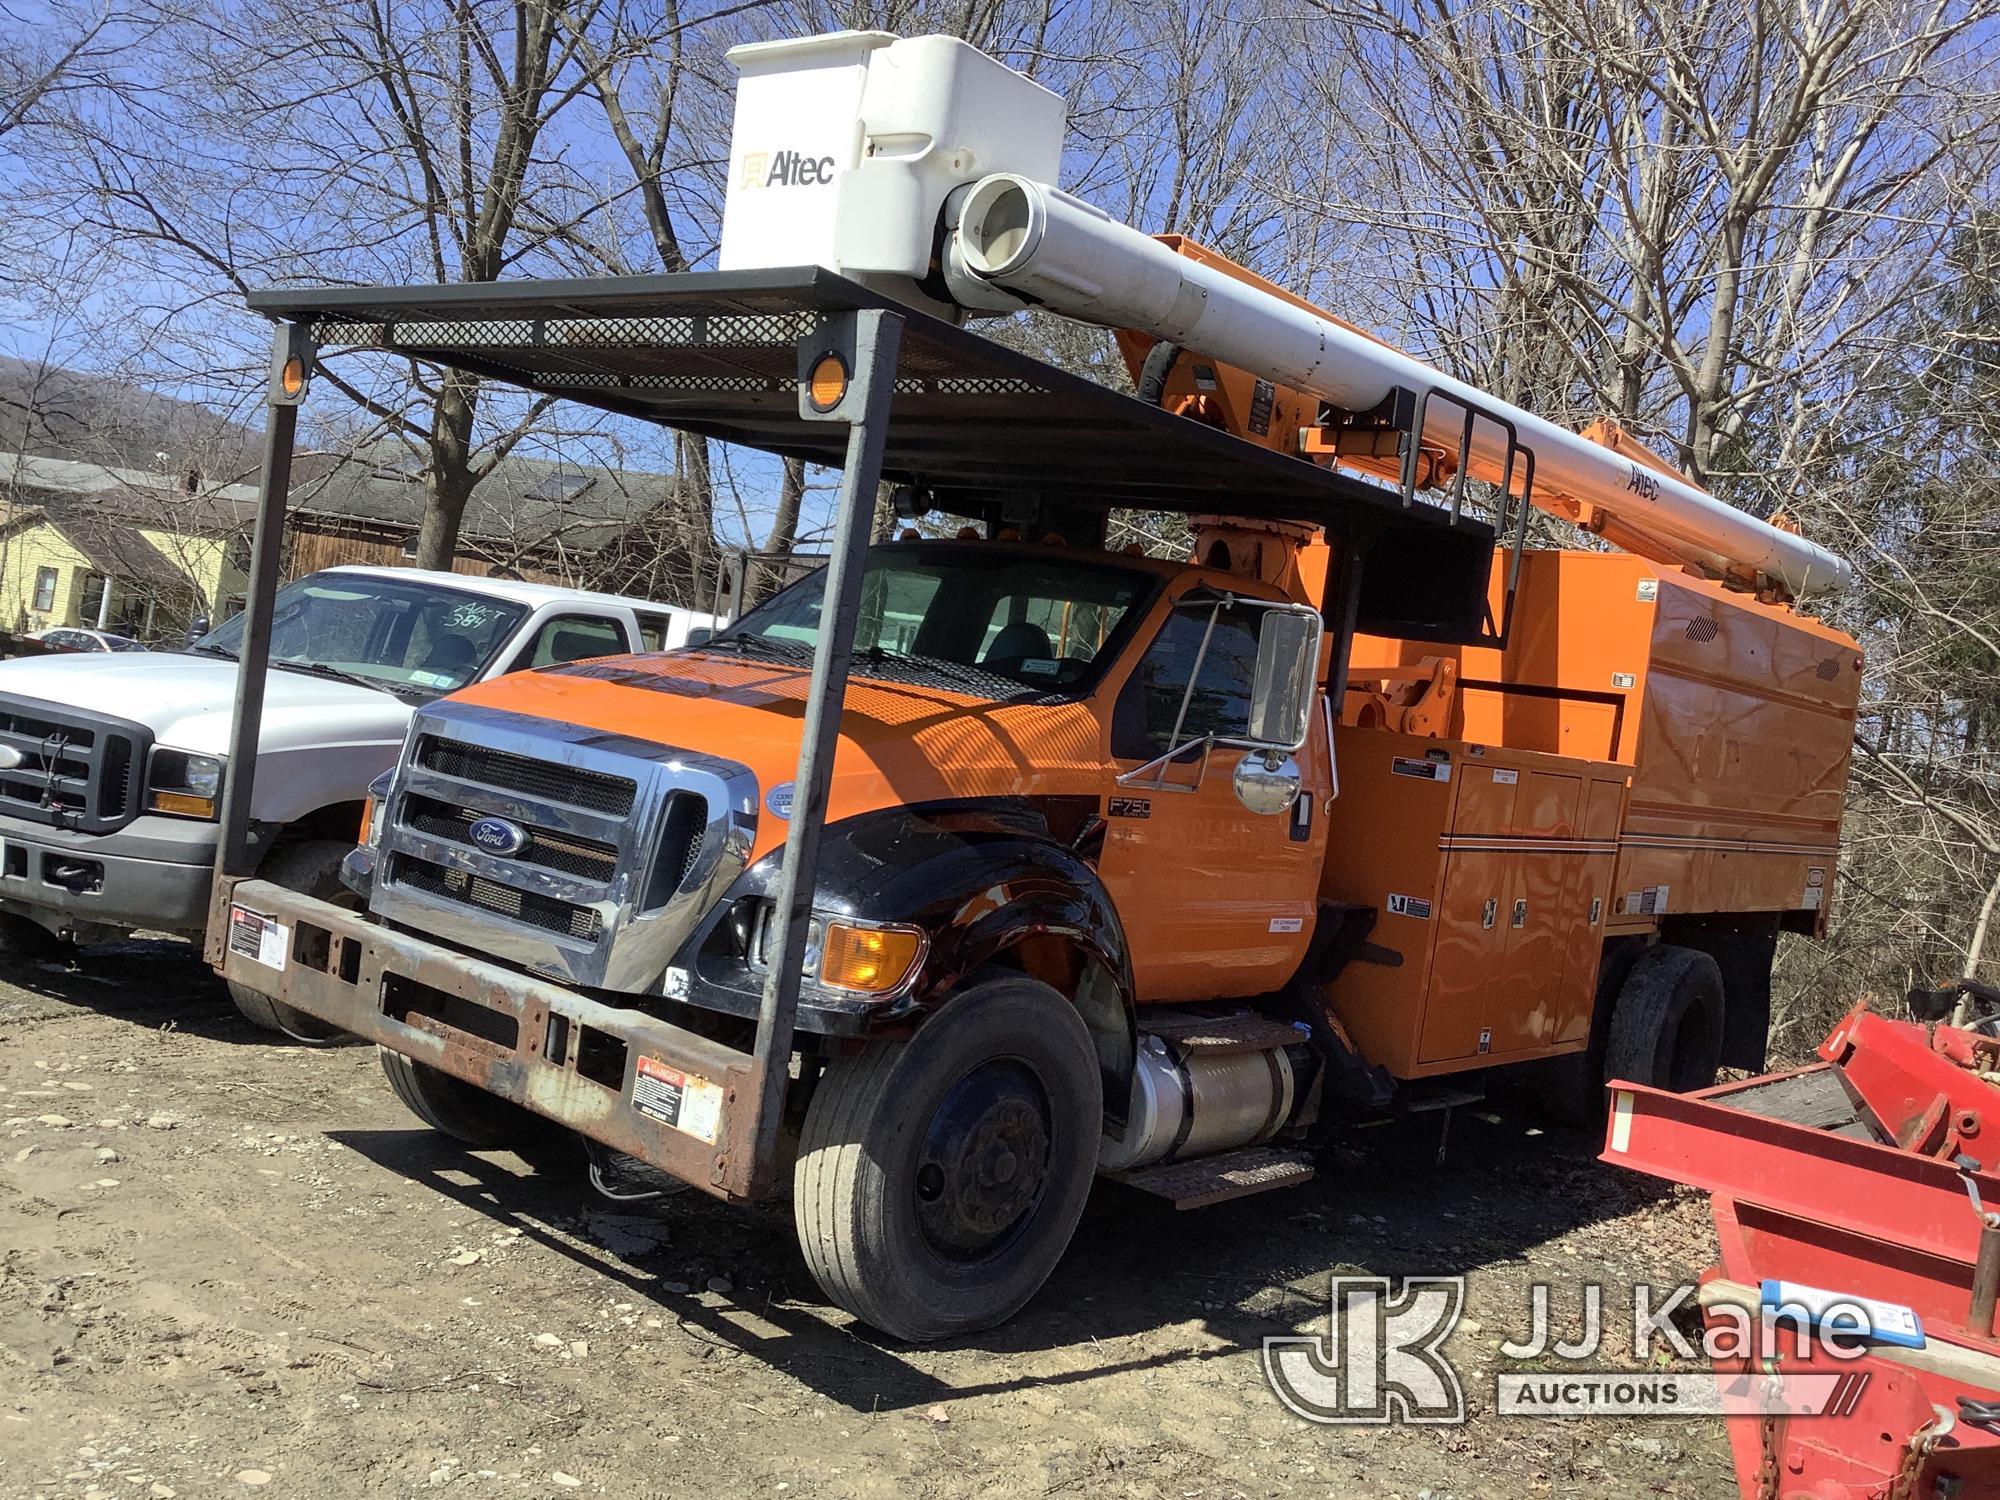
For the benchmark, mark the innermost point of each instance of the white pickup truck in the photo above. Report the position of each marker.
(111, 765)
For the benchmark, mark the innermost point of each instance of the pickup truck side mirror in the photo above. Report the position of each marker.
(1281, 696)
(699, 635)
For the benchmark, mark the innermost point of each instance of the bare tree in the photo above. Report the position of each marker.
(1678, 213)
(350, 142)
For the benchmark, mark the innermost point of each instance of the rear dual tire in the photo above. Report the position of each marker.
(940, 1178)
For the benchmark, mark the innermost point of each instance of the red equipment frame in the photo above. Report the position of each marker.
(1886, 1203)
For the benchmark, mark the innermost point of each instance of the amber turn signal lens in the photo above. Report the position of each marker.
(293, 376)
(183, 804)
(828, 383)
(873, 960)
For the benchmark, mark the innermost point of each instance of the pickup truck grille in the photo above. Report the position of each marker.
(620, 844)
(75, 769)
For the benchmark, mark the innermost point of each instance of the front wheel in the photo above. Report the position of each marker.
(456, 1108)
(940, 1178)
(312, 868)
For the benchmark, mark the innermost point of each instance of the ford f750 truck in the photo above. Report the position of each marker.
(978, 866)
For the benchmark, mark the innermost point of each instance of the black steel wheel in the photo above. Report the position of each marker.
(1666, 1028)
(940, 1179)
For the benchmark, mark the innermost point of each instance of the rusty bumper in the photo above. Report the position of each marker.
(659, 1092)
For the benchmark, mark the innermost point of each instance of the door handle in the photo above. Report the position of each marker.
(1489, 911)
(1521, 912)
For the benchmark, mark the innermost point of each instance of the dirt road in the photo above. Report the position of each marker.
(231, 1267)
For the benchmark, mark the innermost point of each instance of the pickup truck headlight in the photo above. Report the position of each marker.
(183, 784)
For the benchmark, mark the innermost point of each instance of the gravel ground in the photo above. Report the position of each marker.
(231, 1266)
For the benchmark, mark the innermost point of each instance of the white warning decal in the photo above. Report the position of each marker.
(1409, 906)
(686, 1101)
(257, 936)
(1428, 770)
(1288, 924)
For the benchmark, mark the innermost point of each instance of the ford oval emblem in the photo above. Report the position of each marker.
(498, 836)
(779, 799)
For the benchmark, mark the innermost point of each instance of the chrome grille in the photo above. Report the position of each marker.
(625, 843)
(531, 778)
(544, 912)
(586, 858)
(77, 769)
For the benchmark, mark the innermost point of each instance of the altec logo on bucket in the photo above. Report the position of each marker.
(762, 169)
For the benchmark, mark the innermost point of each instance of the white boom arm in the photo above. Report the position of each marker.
(1037, 241)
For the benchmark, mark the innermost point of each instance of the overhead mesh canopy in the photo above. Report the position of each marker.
(715, 353)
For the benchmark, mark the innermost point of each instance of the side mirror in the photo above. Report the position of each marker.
(698, 635)
(1281, 697)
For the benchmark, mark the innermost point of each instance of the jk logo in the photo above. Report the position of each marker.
(1381, 1359)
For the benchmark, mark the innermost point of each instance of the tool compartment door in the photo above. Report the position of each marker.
(1498, 971)
(1586, 903)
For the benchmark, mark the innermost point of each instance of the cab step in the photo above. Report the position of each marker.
(1217, 1179)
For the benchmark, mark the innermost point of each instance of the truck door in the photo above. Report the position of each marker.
(1216, 900)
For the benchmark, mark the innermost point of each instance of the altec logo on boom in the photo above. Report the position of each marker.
(762, 169)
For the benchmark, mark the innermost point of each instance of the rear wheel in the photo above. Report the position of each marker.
(312, 868)
(940, 1179)
(457, 1108)
(1666, 1029)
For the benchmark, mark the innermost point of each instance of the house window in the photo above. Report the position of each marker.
(45, 590)
(95, 586)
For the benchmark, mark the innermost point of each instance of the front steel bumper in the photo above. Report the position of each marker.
(640, 1085)
(153, 873)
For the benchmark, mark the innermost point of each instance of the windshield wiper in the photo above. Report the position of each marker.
(341, 674)
(747, 643)
(201, 650)
(979, 678)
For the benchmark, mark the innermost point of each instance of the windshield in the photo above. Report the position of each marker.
(978, 620)
(402, 636)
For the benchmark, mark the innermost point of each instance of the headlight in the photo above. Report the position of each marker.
(184, 784)
(868, 958)
(842, 953)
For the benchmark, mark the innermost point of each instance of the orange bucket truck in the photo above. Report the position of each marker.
(975, 867)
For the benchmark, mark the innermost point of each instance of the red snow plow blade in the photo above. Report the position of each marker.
(1864, 1176)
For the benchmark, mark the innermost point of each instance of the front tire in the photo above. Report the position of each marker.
(940, 1179)
(312, 868)
(455, 1107)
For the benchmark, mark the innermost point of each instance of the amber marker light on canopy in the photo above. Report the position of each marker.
(871, 960)
(293, 377)
(828, 382)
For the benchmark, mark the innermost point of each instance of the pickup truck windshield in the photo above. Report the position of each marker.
(406, 638)
(991, 623)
